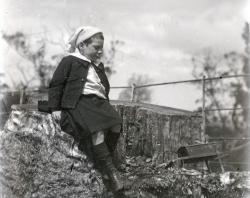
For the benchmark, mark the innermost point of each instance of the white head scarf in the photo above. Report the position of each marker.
(81, 34)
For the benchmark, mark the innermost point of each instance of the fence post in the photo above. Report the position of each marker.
(21, 95)
(132, 92)
(203, 132)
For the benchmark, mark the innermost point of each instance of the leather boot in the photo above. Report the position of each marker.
(111, 139)
(114, 175)
(105, 161)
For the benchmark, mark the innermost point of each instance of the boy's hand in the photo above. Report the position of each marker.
(56, 115)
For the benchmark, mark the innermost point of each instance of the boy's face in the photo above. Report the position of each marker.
(94, 50)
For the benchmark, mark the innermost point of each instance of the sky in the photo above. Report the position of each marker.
(160, 36)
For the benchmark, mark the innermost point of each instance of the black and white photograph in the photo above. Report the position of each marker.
(124, 99)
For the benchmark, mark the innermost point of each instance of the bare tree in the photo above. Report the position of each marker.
(246, 70)
(140, 94)
(3, 106)
(233, 93)
(21, 43)
(3, 85)
(43, 67)
(110, 55)
(206, 64)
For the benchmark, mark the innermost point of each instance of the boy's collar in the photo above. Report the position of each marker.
(84, 58)
(79, 55)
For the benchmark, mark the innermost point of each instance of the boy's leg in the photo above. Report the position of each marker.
(112, 137)
(103, 157)
(98, 138)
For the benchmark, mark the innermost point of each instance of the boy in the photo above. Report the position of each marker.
(79, 89)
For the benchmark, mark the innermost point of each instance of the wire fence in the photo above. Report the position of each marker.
(203, 111)
(133, 88)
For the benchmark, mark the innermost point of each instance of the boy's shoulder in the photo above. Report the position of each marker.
(68, 60)
(72, 59)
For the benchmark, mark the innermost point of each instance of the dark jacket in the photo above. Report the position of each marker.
(68, 81)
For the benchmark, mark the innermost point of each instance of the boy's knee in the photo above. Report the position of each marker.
(116, 129)
(98, 137)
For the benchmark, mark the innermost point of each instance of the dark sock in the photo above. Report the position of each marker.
(111, 140)
(86, 146)
(101, 151)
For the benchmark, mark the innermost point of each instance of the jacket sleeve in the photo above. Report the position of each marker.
(57, 83)
(104, 79)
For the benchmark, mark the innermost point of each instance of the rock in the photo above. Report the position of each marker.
(39, 160)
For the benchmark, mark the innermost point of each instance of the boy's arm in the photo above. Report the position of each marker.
(57, 83)
(105, 80)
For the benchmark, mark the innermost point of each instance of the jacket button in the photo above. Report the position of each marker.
(82, 80)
